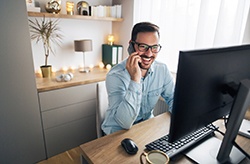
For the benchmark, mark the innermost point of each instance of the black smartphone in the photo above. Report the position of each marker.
(131, 48)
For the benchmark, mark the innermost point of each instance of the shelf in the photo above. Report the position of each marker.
(47, 84)
(50, 15)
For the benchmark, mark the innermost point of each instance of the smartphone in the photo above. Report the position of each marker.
(131, 50)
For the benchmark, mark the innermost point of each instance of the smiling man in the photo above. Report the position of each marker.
(135, 85)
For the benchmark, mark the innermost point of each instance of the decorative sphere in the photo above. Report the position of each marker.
(60, 78)
(71, 75)
(53, 7)
(67, 77)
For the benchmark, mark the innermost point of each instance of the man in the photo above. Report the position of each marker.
(135, 85)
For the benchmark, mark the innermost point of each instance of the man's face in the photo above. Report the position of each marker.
(145, 39)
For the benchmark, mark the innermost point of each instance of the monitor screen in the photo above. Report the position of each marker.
(199, 97)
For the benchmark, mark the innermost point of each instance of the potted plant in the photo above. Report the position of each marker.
(46, 31)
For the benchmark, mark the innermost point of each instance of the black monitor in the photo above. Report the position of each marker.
(203, 83)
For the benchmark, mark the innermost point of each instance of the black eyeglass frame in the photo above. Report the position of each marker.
(148, 46)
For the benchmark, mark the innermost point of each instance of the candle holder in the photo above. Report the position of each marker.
(70, 8)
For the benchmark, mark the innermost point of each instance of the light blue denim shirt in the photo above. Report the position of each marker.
(131, 102)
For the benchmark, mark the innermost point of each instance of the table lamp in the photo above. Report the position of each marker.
(111, 39)
(83, 46)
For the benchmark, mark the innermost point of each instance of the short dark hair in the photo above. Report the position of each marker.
(144, 27)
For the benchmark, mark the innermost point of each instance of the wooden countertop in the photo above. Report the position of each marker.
(95, 75)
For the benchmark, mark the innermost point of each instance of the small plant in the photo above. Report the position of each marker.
(46, 31)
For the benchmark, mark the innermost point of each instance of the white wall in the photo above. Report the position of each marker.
(73, 29)
(122, 30)
(246, 38)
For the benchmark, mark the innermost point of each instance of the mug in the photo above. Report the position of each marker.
(155, 157)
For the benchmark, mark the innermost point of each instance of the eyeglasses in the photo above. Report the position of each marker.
(144, 47)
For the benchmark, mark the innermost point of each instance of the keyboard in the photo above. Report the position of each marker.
(176, 147)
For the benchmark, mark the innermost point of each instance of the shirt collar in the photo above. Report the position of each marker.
(151, 69)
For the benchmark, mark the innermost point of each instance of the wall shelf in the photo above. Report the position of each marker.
(50, 15)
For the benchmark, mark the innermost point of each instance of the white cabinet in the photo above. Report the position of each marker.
(68, 117)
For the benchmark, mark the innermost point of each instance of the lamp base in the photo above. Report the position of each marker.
(84, 70)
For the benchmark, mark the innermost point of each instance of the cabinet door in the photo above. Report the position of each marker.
(64, 115)
(68, 117)
(68, 135)
(66, 96)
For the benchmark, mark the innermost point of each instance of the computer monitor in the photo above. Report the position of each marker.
(201, 96)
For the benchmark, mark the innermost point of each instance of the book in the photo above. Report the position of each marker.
(106, 11)
(33, 9)
(111, 54)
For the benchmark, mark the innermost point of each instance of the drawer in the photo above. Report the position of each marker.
(59, 116)
(63, 97)
(68, 136)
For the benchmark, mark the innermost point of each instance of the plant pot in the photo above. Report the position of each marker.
(46, 70)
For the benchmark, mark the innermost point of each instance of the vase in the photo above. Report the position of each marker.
(46, 70)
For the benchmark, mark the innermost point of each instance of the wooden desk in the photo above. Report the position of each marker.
(108, 149)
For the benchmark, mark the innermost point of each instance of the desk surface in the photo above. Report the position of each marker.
(108, 149)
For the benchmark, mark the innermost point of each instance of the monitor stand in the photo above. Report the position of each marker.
(206, 152)
(225, 151)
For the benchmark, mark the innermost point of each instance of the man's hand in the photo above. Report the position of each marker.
(133, 67)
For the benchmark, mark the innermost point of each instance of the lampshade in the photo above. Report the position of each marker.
(83, 45)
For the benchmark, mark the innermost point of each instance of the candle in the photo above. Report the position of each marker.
(101, 65)
(70, 8)
(108, 66)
